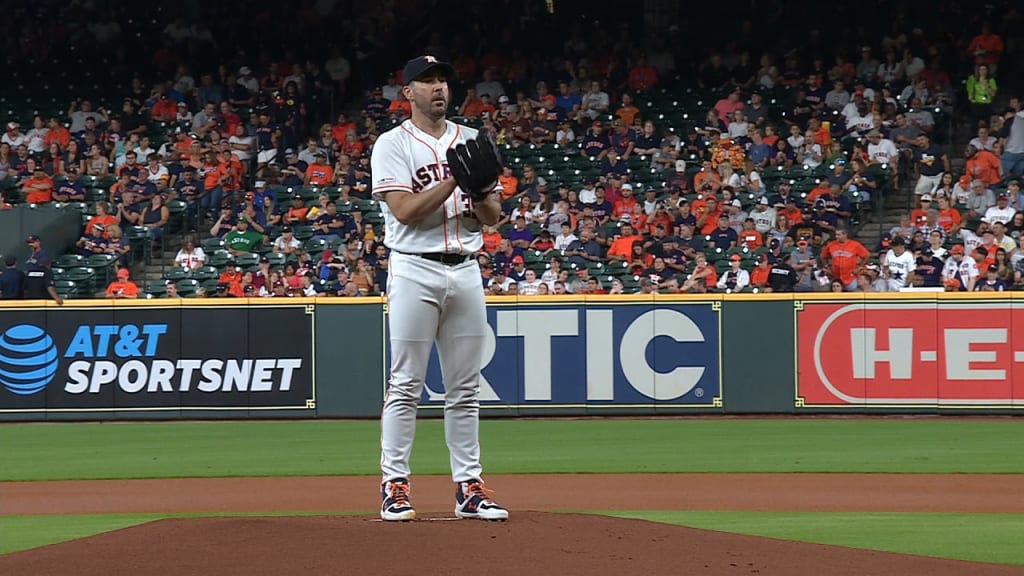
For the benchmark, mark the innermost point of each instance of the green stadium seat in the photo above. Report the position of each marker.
(177, 273)
(66, 288)
(85, 278)
(156, 289)
(69, 261)
(187, 287)
(205, 273)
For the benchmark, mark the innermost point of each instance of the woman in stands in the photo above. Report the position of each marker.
(96, 164)
(291, 277)
(154, 217)
(1005, 272)
(1015, 227)
(53, 160)
(5, 160)
(782, 155)
(117, 245)
(945, 187)
(190, 256)
(74, 156)
(274, 279)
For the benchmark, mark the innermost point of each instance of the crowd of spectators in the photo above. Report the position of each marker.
(227, 142)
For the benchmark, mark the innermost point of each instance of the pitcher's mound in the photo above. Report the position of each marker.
(535, 542)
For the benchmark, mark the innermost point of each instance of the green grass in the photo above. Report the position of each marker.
(25, 532)
(312, 448)
(976, 537)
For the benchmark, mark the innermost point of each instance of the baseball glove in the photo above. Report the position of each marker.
(476, 165)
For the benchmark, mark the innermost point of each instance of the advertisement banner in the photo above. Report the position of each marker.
(597, 355)
(153, 358)
(912, 353)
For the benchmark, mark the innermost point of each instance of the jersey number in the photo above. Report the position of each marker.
(465, 201)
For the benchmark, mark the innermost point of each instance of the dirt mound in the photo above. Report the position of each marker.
(541, 543)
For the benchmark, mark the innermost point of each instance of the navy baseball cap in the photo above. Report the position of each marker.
(417, 66)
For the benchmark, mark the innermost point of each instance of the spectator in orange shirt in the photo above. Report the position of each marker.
(983, 165)
(643, 76)
(38, 189)
(164, 109)
(319, 173)
(342, 126)
(400, 108)
(621, 248)
(297, 213)
(123, 287)
(625, 204)
(472, 106)
(949, 216)
(842, 257)
(627, 111)
(98, 224)
(509, 183)
(58, 134)
(986, 48)
(749, 236)
(759, 275)
(708, 221)
(232, 279)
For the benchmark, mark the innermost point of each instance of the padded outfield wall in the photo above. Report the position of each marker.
(550, 356)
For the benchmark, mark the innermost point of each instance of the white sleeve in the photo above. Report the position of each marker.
(742, 279)
(389, 165)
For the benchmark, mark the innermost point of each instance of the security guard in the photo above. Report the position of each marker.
(39, 283)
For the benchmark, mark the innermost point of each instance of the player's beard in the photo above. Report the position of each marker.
(436, 107)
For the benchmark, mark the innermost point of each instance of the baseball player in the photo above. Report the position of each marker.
(438, 184)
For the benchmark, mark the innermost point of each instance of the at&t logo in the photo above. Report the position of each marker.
(28, 359)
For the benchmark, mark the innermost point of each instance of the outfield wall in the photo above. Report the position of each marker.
(544, 356)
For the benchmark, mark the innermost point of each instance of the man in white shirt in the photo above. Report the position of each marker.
(881, 150)
(13, 137)
(588, 194)
(960, 269)
(144, 150)
(36, 137)
(565, 238)
(490, 85)
(899, 265)
(1002, 212)
(595, 102)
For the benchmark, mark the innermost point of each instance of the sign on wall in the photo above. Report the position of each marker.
(940, 353)
(156, 358)
(597, 356)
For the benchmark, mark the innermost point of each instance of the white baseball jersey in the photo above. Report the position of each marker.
(884, 152)
(899, 268)
(408, 160)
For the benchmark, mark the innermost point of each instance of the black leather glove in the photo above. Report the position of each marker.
(476, 165)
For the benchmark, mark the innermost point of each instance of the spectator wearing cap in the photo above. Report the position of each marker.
(190, 190)
(331, 226)
(293, 170)
(928, 269)
(763, 215)
(518, 270)
(624, 205)
(296, 214)
(991, 282)
(122, 287)
(898, 265)
(735, 278)
(320, 173)
(596, 143)
(38, 188)
(242, 239)
(959, 273)
(723, 237)
(287, 243)
(1002, 212)
(70, 189)
(620, 246)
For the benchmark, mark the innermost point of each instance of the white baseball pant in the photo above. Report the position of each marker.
(432, 302)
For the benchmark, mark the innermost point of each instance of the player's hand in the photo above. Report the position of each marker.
(476, 165)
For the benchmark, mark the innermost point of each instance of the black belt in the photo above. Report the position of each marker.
(448, 258)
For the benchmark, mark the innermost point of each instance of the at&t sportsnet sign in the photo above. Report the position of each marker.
(156, 358)
(909, 354)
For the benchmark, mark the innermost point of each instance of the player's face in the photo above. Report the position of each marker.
(429, 94)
